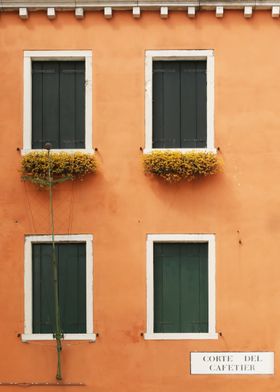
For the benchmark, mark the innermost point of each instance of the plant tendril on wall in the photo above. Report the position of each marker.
(47, 169)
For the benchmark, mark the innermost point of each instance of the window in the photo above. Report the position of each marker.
(180, 100)
(74, 258)
(57, 100)
(181, 286)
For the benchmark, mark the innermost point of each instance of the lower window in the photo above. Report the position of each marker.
(74, 260)
(181, 286)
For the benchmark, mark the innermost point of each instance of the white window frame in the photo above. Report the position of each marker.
(175, 55)
(53, 55)
(73, 238)
(181, 238)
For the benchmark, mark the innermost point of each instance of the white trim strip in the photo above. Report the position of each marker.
(27, 99)
(89, 285)
(59, 238)
(88, 100)
(213, 150)
(57, 151)
(27, 287)
(150, 286)
(68, 336)
(212, 285)
(180, 336)
(57, 54)
(194, 237)
(210, 100)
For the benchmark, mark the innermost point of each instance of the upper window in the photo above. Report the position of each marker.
(181, 292)
(74, 259)
(57, 100)
(179, 100)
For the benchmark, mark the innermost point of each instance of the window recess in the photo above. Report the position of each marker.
(179, 100)
(75, 287)
(180, 286)
(58, 100)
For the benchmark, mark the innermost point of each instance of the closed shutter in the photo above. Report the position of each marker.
(72, 287)
(58, 104)
(181, 287)
(179, 104)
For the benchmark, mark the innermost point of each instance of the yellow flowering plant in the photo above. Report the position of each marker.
(174, 166)
(64, 166)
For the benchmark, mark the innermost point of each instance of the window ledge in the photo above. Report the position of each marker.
(25, 151)
(91, 337)
(180, 336)
(183, 150)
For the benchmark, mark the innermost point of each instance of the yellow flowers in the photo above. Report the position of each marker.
(34, 166)
(172, 166)
(175, 166)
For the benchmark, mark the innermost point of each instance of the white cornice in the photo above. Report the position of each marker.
(34, 5)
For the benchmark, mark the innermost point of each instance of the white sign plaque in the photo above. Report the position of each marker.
(232, 363)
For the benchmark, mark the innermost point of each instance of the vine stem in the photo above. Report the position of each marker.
(57, 334)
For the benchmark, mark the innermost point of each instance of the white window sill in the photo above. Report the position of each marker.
(57, 150)
(149, 150)
(91, 337)
(180, 336)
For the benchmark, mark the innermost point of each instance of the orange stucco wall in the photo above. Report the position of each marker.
(121, 205)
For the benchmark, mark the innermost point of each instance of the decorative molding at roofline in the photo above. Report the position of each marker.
(108, 6)
(33, 5)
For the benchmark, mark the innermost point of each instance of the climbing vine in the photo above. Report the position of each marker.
(46, 169)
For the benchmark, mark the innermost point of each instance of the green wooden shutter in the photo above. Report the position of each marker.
(166, 288)
(45, 104)
(180, 287)
(179, 104)
(72, 287)
(42, 289)
(72, 104)
(193, 104)
(166, 104)
(58, 104)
